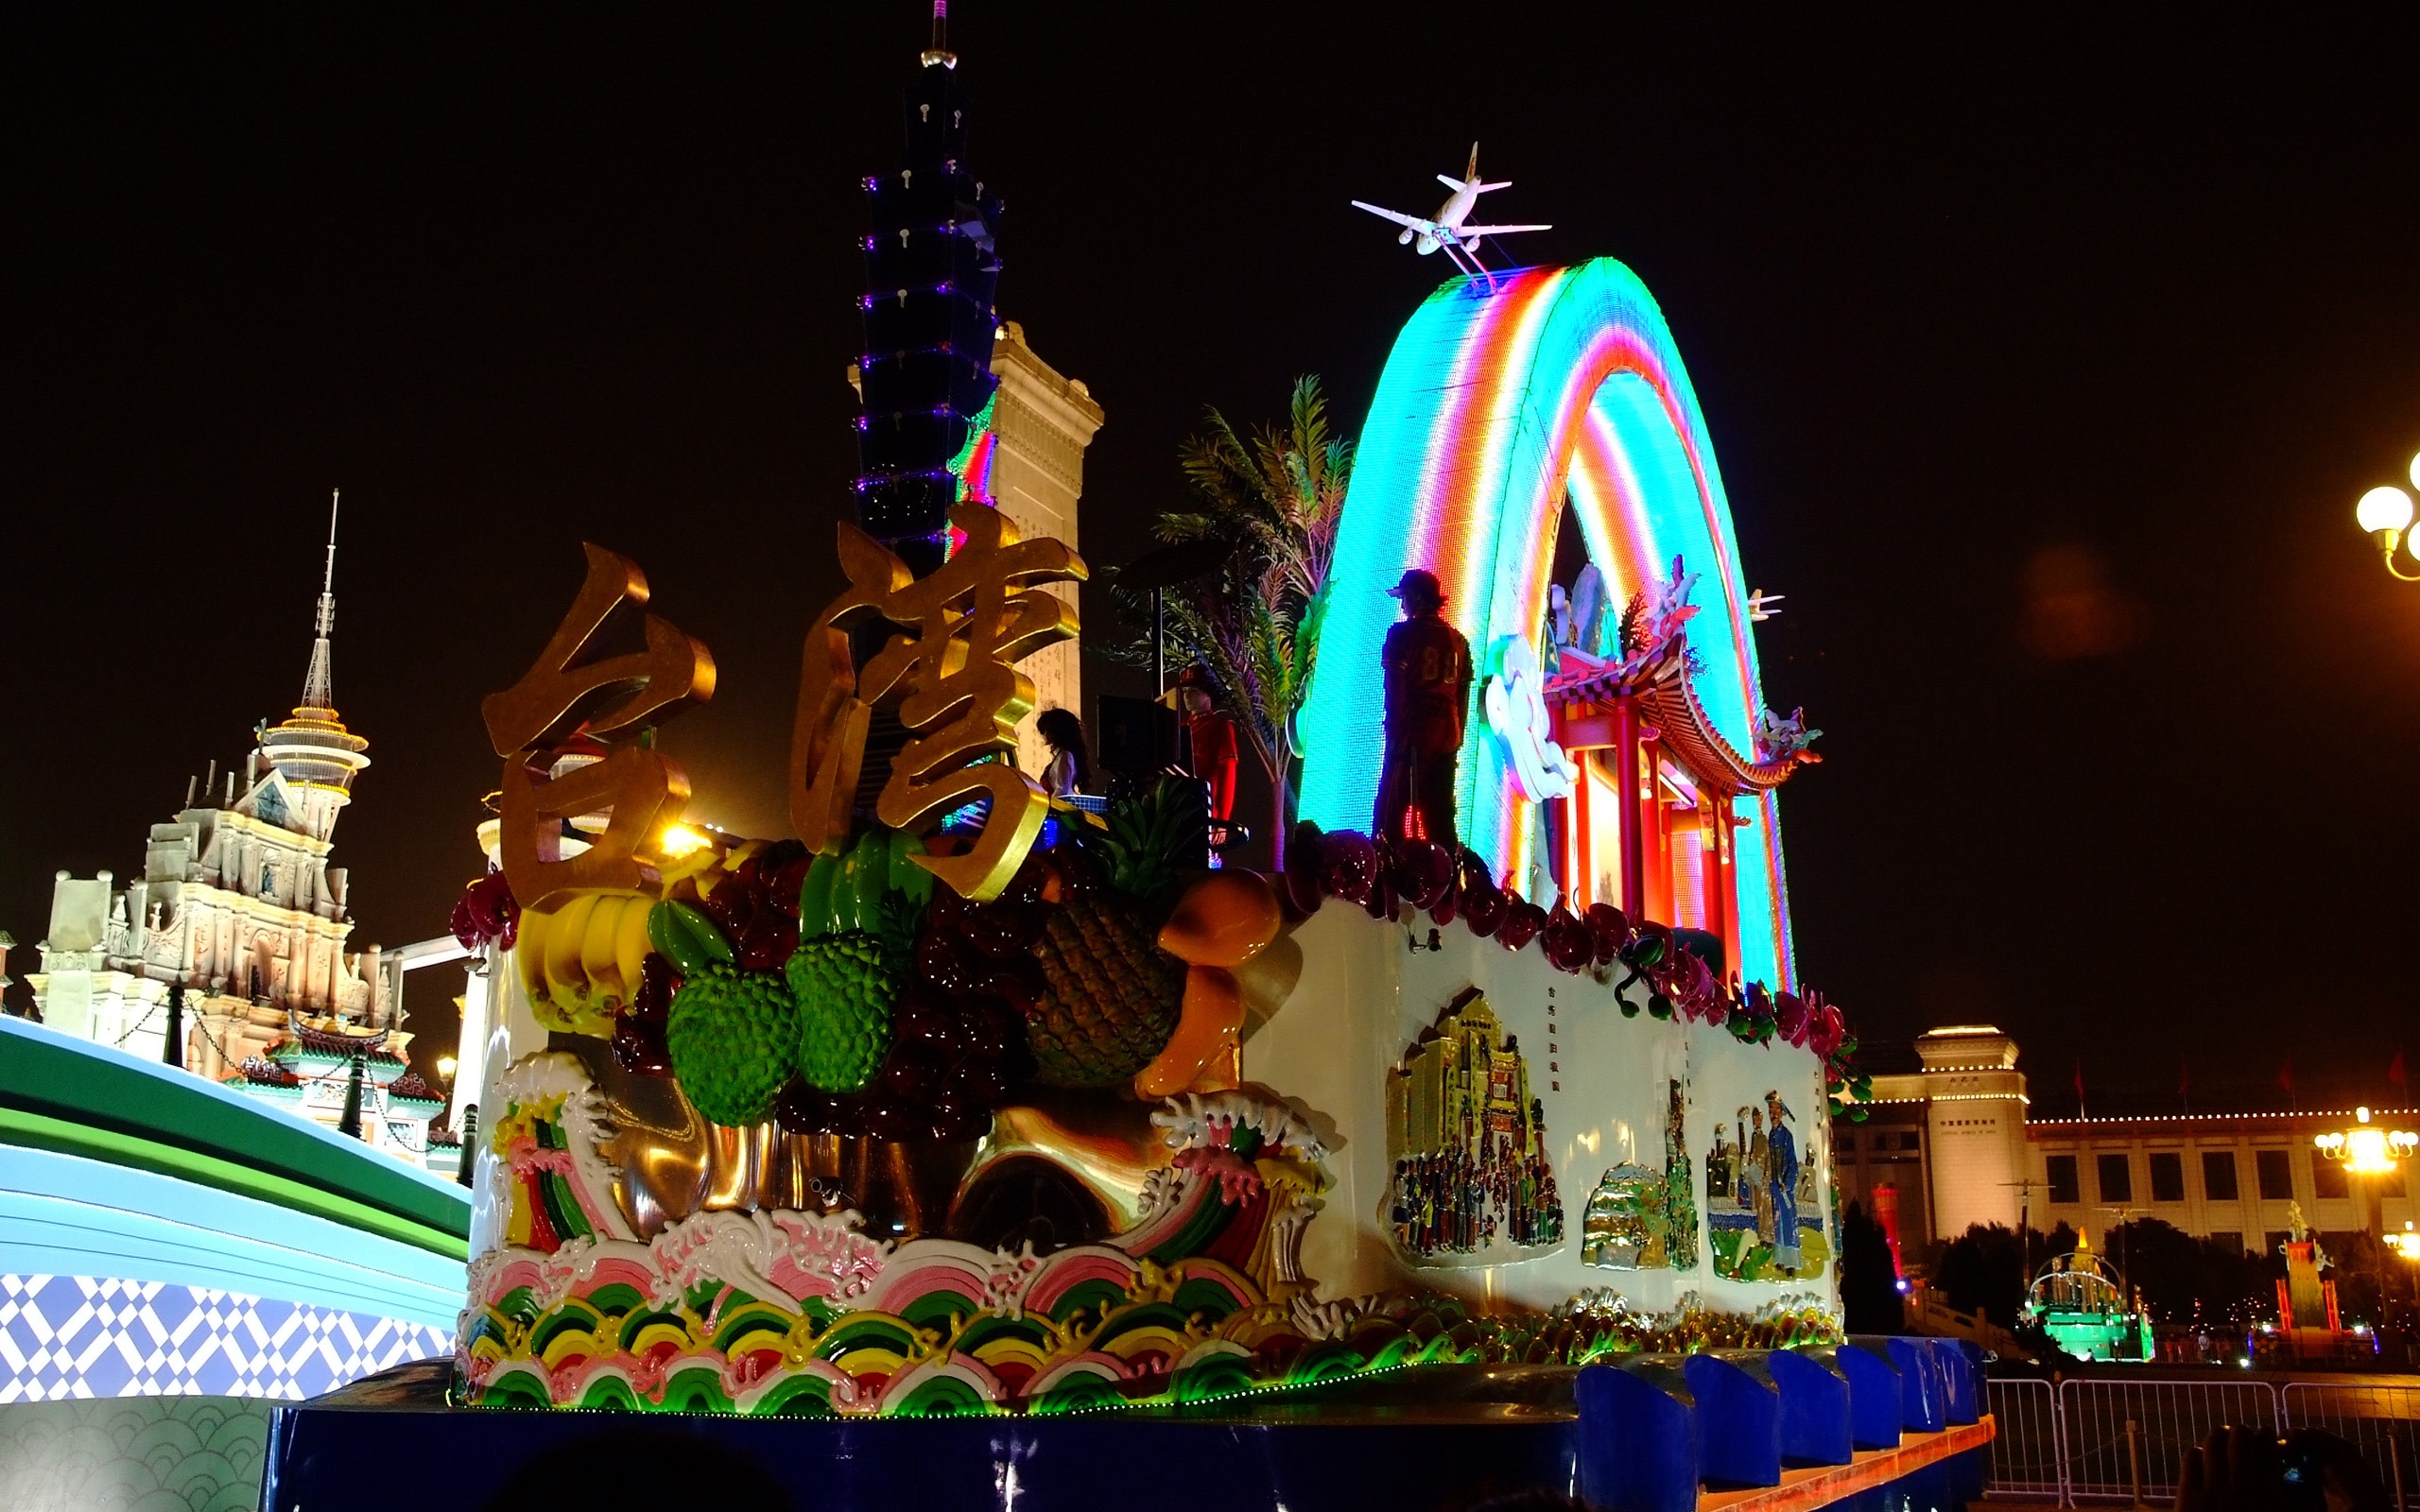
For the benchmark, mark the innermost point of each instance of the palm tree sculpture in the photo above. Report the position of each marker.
(1274, 499)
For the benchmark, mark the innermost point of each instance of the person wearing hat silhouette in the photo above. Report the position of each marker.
(1428, 667)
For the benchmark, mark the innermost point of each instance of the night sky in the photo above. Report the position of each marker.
(2043, 363)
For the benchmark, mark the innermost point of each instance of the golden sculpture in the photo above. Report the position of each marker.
(565, 695)
(968, 625)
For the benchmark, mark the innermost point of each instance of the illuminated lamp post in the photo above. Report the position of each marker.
(2406, 1244)
(2369, 1155)
(2386, 513)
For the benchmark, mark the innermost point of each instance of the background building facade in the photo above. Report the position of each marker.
(1951, 1145)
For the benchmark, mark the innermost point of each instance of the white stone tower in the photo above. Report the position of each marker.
(1044, 422)
(1975, 1125)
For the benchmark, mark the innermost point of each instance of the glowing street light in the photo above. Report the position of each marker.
(2386, 513)
(2369, 1153)
(2406, 1244)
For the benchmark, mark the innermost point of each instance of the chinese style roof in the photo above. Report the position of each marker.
(412, 1088)
(301, 1042)
(256, 1072)
(1658, 680)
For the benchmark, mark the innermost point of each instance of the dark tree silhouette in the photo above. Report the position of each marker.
(1983, 1270)
(1869, 1286)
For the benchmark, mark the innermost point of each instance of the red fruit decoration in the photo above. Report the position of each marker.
(1381, 901)
(1608, 932)
(1568, 945)
(1789, 1017)
(1423, 873)
(486, 911)
(1484, 905)
(1522, 922)
(1348, 865)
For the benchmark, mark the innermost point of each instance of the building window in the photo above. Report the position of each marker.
(2116, 1176)
(2062, 1172)
(2218, 1175)
(1910, 1140)
(2168, 1177)
(2327, 1179)
(2228, 1241)
(2275, 1174)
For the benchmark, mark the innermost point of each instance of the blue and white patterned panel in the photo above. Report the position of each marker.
(65, 1336)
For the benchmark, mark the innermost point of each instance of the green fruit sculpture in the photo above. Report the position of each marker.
(732, 1034)
(856, 923)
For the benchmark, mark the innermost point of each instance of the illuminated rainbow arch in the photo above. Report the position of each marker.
(1493, 406)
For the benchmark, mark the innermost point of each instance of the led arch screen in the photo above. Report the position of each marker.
(1494, 407)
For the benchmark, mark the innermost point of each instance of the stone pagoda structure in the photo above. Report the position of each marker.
(235, 937)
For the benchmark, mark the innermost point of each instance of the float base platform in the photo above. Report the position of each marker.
(1449, 1438)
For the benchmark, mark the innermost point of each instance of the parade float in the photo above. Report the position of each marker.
(962, 1145)
(2080, 1301)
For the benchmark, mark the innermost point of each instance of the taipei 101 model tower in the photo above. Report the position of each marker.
(932, 265)
(954, 403)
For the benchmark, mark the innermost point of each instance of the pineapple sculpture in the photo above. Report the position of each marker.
(1112, 996)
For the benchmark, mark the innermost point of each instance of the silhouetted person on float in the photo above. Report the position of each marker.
(1428, 695)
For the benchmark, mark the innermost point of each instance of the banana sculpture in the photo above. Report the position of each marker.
(579, 964)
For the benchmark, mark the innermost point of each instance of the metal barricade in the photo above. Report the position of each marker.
(2126, 1439)
(2382, 1422)
(2029, 1453)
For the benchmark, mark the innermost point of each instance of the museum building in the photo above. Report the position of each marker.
(1951, 1145)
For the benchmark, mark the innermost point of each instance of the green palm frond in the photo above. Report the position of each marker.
(1274, 495)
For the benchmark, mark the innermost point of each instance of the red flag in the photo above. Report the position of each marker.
(2184, 1078)
(2079, 1085)
(2285, 1074)
(2394, 1075)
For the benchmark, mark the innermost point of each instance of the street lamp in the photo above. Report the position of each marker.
(2386, 513)
(2369, 1155)
(2406, 1244)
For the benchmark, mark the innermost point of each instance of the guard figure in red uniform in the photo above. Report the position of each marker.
(1429, 696)
(1213, 735)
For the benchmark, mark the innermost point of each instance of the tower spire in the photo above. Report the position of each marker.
(317, 755)
(319, 683)
(939, 52)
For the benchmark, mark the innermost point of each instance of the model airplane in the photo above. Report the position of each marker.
(1447, 229)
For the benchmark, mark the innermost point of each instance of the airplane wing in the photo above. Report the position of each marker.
(1395, 216)
(1495, 230)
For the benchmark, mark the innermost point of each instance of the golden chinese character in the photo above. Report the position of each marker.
(645, 791)
(567, 694)
(970, 622)
(561, 693)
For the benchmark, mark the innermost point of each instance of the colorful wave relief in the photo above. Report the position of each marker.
(793, 1313)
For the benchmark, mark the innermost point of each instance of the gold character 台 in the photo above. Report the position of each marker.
(569, 691)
